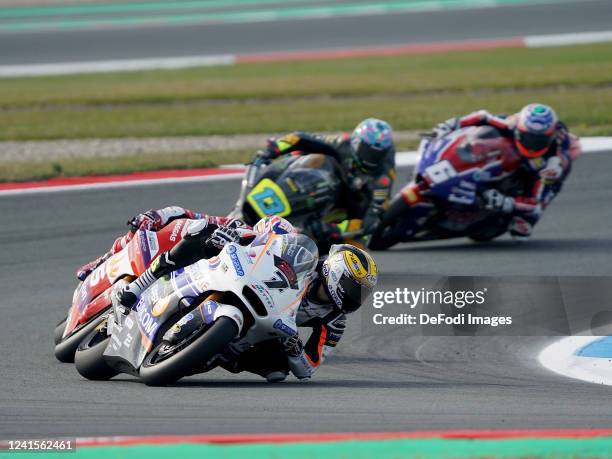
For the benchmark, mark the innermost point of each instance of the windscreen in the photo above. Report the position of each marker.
(301, 253)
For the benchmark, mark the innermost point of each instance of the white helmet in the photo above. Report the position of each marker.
(349, 276)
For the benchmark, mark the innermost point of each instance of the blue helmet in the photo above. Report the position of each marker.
(371, 140)
(535, 130)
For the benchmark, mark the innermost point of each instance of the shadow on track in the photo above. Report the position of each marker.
(318, 384)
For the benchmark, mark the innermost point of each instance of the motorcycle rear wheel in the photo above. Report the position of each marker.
(89, 360)
(158, 371)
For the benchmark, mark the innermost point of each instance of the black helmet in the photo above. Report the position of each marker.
(371, 140)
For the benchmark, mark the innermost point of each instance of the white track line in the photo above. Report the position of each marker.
(561, 358)
(583, 38)
(71, 68)
(123, 184)
(403, 159)
(68, 68)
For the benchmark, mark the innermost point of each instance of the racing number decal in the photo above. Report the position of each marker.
(267, 198)
(440, 172)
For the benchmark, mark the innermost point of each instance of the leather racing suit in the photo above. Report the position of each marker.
(368, 194)
(205, 239)
(327, 324)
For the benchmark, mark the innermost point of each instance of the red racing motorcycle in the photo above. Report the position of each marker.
(91, 301)
(444, 199)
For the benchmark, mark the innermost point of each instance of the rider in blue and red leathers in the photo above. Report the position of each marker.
(546, 150)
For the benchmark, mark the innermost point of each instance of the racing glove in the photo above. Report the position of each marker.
(293, 346)
(150, 220)
(222, 236)
(266, 155)
(496, 201)
(448, 126)
(552, 171)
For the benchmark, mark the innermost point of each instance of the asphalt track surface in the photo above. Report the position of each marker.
(373, 382)
(291, 35)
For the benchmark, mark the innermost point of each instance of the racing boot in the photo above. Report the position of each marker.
(276, 376)
(520, 229)
(130, 295)
(119, 244)
(86, 269)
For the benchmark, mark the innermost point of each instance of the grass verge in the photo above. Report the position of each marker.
(411, 92)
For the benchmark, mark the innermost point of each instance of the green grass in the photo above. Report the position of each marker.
(586, 110)
(466, 71)
(411, 92)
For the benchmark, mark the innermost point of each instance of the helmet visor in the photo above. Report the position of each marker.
(368, 158)
(351, 293)
(533, 145)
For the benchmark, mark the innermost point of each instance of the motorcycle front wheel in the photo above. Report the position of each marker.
(66, 347)
(167, 364)
(89, 359)
(59, 331)
(390, 231)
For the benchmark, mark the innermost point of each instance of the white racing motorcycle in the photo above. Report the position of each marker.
(181, 324)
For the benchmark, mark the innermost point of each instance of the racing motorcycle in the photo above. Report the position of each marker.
(91, 300)
(181, 324)
(298, 188)
(444, 199)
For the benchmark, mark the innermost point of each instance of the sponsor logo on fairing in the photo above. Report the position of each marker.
(147, 323)
(286, 329)
(231, 249)
(264, 294)
(176, 230)
(153, 244)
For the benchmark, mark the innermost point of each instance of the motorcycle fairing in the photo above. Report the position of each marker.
(267, 198)
(93, 295)
(456, 166)
(132, 340)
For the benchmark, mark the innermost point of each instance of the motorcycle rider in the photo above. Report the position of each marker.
(367, 157)
(152, 220)
(546, 149)
(341, 282)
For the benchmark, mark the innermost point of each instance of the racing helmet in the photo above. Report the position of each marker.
(371, 140)
(349, 276)
(535, 130)
(274, 224)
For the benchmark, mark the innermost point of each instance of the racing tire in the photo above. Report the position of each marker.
(59, 330)
(498, 228)
(191, 357)
(481, 239)
(89, 359)
(388, 232)
(66, 348)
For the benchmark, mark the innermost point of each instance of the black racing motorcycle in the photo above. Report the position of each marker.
(298, 188)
